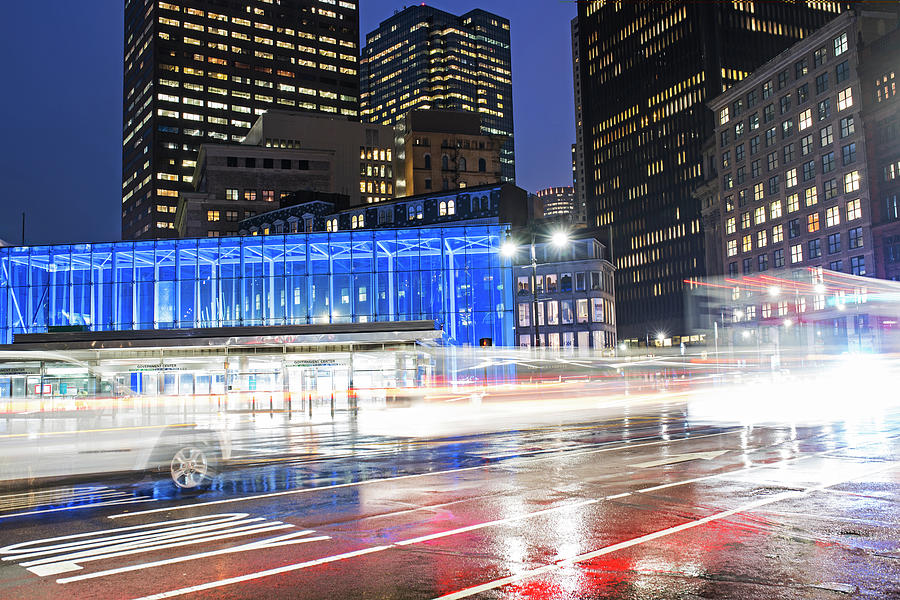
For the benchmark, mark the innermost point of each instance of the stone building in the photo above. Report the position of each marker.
(445, 150)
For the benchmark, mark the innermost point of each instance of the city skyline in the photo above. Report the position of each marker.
(83, 203)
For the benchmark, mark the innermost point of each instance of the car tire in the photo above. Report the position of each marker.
(193, 465)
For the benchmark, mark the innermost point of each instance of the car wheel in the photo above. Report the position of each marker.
(192, 466)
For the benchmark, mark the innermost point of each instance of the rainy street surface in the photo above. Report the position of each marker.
(643, 496)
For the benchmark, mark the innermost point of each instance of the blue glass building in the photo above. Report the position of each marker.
(453, 275)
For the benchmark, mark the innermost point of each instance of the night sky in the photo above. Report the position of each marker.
(62, 97)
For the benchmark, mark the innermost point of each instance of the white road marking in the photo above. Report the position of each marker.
(402, 543)
(569, 562)
(626, 446)
(270, 572)
(51, 556)
(680, 458)
(282, 540)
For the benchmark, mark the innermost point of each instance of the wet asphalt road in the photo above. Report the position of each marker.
(631, 500)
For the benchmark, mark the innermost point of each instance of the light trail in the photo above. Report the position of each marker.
(405, 477)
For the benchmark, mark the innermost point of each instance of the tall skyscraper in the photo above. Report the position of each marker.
(203, 70)
(426, 58)
(578, 146)
(647, 70)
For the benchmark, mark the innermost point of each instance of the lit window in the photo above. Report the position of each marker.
(840, 44)
(760, 215)
(796, 253)
(746, 243)
(778, 234)
(790, 178)
(851, 181)
(793, 203)
(775, 209)
(805, 119)
(812, 196)
(761, 238)
(853, 210)
(732, 247)
(758, 191)
(723, 116)
(845, 99)
(212, 215)
(812, 222)
(729, 226)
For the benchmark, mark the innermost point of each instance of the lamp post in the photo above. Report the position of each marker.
(559, 239)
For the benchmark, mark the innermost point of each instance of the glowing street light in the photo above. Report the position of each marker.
(560, 238)
(508, 248)
(660, 337)
(774, 291)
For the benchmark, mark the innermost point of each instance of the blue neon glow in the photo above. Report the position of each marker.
(454, 275)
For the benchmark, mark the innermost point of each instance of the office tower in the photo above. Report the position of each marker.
(202, 70)
(647, 70)
(559, 203)
(578, 146)
(425, 58)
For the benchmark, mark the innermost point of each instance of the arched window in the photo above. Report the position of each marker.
(445, 162)
(451, 207)
(462, 163)
(419, 212)
(482, 165)
(442, 209)
(485, 203)
(410, 212)
(427, 161)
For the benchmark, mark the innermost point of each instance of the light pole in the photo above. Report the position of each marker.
(559, 239)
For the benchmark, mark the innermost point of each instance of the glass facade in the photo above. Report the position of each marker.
(453, 275)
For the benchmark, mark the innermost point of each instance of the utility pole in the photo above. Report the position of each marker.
(23, 228)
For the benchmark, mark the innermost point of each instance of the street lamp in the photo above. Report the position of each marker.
(559, 238)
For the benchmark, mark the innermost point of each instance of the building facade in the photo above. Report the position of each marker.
(425, 58)
(445, 150)
(647, 68)
(559, 203)
(793, 175)
(881, 119)
(571, 291)
(578, 146)
(455, 276)
(501, 203)
(236, 181)
(199, 71)
(286, 152)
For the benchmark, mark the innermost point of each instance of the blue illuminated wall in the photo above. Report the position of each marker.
(454, 275)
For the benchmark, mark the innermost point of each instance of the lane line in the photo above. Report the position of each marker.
(571, 562)
(402, 543)
(92, 505)
(251, 576)
(627, 446)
